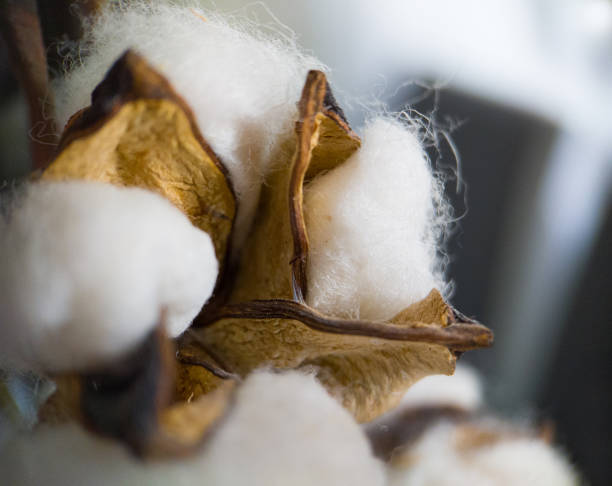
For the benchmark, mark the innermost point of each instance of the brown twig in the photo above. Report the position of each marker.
(21, 30)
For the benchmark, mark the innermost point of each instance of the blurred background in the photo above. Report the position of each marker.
(518, 96)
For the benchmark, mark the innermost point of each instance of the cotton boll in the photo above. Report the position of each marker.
(286, 429)
(88, 270)
(242, 87)
(283, 429)
(431, 400)
(442, 457)
(373, 229)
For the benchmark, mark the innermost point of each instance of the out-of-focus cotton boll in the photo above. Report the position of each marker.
(242, 86)
(463, 390)
(88, 269)
(456, 455)
(373, 228)
(283, 429)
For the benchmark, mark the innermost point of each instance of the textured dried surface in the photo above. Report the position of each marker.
(198, 372)
(138, 132)
(185, 425)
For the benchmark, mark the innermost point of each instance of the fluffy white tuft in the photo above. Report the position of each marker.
(284, 429)
(438, 458)
(242, 86)
(89, 268)
(373, 228)
(463, 389)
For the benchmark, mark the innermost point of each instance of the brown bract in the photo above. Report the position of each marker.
(133, 400)
(139, 132)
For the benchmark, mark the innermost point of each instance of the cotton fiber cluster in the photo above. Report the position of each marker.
(242, 87)
(463, 389)
(283, 429)
(373, 228)
(442, 457)
(89, 269)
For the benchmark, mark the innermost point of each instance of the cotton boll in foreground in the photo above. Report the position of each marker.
(242, 86)
(88, 270)
(479, 455)
(283, 429)
(372, 228)
(438, 435)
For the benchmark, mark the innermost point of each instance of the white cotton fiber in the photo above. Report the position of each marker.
(88, 269)
(440, 458)
(242, 86)
(373, 228)
(463, 389)
(283, 430)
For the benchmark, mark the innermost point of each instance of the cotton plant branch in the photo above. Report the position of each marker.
(138, 131)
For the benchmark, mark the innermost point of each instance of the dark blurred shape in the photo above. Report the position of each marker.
(61, 24)
(21, 31)
(578, 394)
(14, 153)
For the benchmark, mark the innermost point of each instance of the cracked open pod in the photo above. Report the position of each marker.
(266, 320)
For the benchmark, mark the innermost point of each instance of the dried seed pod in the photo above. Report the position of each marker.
(267, 321)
